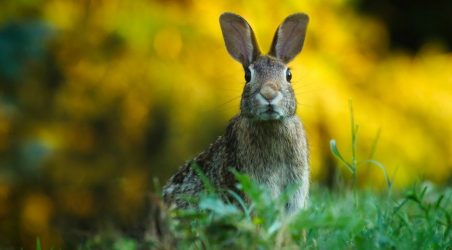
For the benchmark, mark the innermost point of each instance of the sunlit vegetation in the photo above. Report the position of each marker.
(97, 98)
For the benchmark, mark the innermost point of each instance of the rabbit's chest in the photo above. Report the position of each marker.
(276, 180)
(275, 172)
(273, 155)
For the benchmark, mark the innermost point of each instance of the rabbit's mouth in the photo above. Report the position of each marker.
(270, 112)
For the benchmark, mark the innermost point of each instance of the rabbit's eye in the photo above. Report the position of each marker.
(288, 75)
(247, 75)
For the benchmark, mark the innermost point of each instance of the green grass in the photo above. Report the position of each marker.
(347, 218)
(418, 218)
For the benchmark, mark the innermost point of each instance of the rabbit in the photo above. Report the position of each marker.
(266, 140)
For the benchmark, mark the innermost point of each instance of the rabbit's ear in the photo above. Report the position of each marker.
(239, 38)
(289, 37)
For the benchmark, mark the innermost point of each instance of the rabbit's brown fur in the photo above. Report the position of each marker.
(266, 140)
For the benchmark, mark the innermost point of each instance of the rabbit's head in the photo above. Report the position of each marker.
(268, 94)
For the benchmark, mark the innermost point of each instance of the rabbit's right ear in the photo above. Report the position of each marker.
(239, 38)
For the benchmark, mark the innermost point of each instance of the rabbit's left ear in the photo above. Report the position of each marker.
(289, 37)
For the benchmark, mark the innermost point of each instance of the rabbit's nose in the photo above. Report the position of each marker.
(269, 91)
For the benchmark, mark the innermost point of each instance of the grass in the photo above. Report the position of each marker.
(347, 218)
(418, 218)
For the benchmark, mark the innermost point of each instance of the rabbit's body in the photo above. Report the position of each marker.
(275, 160)
(266, 140)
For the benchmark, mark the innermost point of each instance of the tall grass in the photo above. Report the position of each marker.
(418, 218)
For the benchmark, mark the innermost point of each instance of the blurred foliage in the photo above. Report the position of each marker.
(99, 97)
(410, 26)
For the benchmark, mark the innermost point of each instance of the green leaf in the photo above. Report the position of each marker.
(218, 206)
(382, 167)
(338, 155)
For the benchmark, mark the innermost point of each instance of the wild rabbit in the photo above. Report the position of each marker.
(266, 140)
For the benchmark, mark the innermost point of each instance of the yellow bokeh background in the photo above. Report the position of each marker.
(146, 85)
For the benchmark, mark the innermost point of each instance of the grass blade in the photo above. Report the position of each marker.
(38, 243)
(337, 154)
